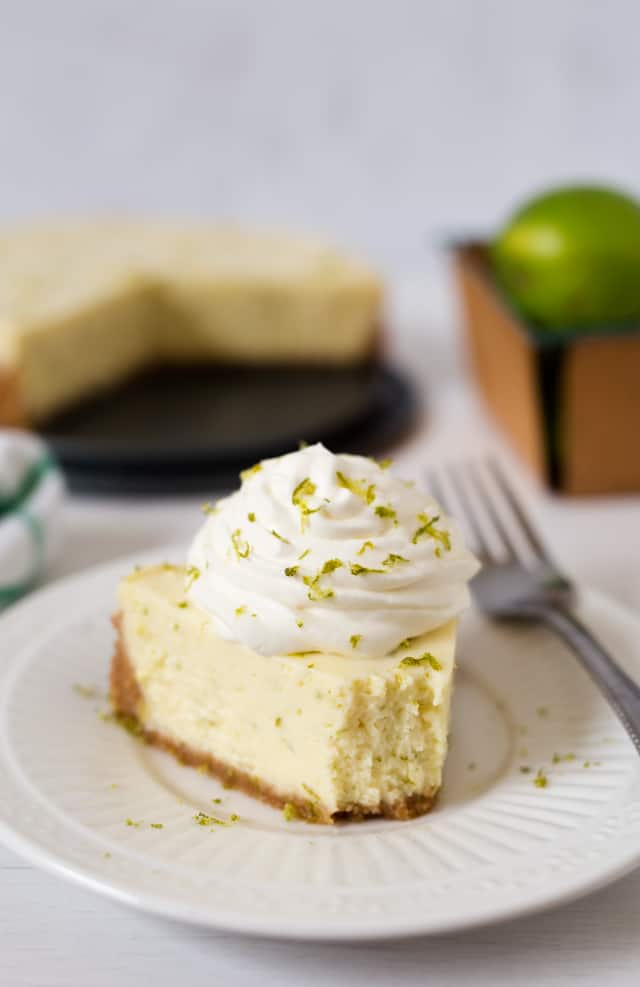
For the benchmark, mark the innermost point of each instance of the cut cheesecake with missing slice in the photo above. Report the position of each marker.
(305, 653)
(329, 734)
(85, 305)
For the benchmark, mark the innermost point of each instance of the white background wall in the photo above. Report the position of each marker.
(384, 123)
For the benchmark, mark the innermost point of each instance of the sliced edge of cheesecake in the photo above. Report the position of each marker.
(323, 736)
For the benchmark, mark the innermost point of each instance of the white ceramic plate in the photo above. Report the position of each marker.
(497, 845)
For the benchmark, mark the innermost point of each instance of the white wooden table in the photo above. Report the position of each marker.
(52, 933)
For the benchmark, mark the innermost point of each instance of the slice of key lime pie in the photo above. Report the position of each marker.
(305, 653)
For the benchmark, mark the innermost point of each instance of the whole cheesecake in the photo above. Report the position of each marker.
(305, 653)
(84, 305)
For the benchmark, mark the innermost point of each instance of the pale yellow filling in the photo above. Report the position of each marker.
(343, 730)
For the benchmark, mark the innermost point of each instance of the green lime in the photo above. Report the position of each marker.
(570, 258)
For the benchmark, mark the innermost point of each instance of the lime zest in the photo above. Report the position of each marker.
(289, 811)
(386, 511)
(426, 659)
(365, 545)
(540, 780)
(427, 528)
(280, 537)
(86, 691)
(251, 471)
(241, 547)
(193, 573)
(306, 488)
(393, 559)
(311, 793)
(359, 488)
(330, 566)
(316, 592)
(203, 819)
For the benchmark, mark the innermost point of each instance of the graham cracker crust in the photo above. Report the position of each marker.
(126, 698)
(12, 413)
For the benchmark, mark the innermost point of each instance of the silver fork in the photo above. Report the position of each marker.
(520, 581)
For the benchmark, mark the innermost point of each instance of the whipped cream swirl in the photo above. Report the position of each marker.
(330, 553)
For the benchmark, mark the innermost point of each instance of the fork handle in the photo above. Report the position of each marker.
(619, 689)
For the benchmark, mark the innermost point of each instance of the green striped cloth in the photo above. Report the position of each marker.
(31, 496)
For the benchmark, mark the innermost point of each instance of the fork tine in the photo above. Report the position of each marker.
(468, 511)
(528, 531)
(470, 505)
(435, 487)
(490, 505)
